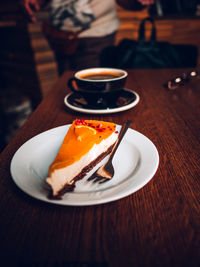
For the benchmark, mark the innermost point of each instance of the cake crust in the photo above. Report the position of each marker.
(70, 187)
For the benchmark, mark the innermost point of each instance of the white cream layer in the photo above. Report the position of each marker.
(60, 177)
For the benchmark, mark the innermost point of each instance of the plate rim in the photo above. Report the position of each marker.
(89, 202)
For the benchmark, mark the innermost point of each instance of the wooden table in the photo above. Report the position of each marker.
(156, 226)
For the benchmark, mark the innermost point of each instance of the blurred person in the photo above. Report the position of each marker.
(78, 30)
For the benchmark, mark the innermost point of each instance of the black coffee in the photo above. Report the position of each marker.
(101, 76)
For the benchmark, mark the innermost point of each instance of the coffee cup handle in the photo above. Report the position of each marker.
(72, 85)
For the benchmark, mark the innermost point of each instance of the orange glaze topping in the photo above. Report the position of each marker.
(80, 138)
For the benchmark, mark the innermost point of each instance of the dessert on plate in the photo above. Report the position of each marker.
(86, 143)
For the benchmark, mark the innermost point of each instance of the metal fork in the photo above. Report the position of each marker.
(106, 171)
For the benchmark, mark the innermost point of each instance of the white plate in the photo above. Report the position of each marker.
(135, 163)
(103, 111)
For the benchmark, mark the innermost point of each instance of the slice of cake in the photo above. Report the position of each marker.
(86, 143)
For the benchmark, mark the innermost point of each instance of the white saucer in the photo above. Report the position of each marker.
(107, 110)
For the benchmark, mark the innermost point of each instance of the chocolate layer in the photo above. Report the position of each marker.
(70, 187)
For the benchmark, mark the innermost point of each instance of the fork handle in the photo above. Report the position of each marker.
(125, 127)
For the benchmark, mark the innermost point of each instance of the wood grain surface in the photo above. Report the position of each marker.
(156, 226)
